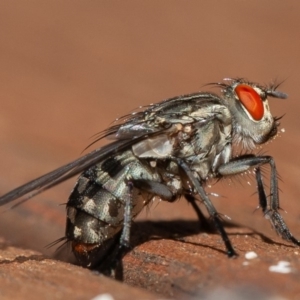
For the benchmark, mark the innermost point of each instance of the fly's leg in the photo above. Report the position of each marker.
(243, 164)
(159, 189)
(166, 194)
(202, 219)
(124, 243)
(272, 214)
(155, 188)
(125, 235)
(263, 203)
(150, 186)
(209, 206)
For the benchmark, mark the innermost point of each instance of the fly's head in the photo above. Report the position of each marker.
(253, 123)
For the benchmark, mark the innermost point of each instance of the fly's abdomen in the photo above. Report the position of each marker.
(94, 216)
(95, 210)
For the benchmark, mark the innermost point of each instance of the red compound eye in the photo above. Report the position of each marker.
(251, 101)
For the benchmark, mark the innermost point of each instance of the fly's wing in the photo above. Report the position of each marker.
(77, 166)
(65, 172)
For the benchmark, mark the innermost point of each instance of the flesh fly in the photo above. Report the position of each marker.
(169, 150)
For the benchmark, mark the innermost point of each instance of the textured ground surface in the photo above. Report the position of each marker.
(67, 69)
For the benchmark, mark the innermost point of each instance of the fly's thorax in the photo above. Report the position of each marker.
(253, 123)
(210, 143)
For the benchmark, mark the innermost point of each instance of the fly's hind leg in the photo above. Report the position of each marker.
(115, 268)
(124, 243)
(155, 188)
(152, 187)
(166, 194)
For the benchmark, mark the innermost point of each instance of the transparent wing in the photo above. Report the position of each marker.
(65, 172)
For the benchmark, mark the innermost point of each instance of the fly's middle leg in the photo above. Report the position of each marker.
(209, 206)
(204, 223)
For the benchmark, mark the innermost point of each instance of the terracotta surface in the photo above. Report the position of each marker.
(69, 68)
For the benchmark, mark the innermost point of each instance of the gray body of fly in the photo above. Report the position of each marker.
(169, 150)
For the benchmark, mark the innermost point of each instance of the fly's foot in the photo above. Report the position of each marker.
(113, 265)
(280, 226)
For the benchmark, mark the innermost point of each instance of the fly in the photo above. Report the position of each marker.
(171, 149)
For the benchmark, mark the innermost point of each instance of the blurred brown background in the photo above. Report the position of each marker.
(69, 68)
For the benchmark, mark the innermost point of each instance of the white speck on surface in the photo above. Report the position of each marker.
(103, 297)
(282, 129)
(245, 263)
(283, 267)
(214, 194)
(250, 255)
(227, 217)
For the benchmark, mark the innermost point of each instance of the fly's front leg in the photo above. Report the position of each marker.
(243, 164)
(272, 214)
(263, 203)
(209, 206)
